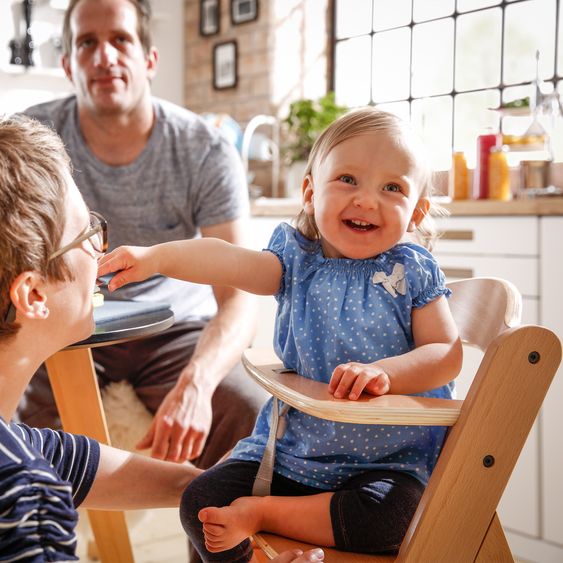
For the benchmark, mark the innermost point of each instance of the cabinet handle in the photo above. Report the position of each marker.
(456, 235)
(458, 273)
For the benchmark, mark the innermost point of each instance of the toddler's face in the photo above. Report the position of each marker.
(365, 195)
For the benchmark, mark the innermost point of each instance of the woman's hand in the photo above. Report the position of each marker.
(351, 379)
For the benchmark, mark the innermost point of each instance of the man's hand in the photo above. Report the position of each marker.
(132, 264)
(181, 424)
(353, 378)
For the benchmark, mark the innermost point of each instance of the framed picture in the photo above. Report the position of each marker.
(225, 65)
(209, 17)
(243, 11)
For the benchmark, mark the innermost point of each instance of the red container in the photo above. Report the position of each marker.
(481, 175)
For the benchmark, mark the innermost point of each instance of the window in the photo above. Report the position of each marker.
(442, 63)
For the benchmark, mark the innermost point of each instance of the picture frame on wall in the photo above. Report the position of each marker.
(209, 17)
(243, 11)
(225, 71)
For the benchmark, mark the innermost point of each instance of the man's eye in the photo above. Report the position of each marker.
(347, 179)
(392, 188)
(85, 43)
(121, 40)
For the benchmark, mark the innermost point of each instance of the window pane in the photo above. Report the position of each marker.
(385, 17)
(402, 109)
(560, 46)
(352, 71)
(353, 17)
(391, 54)
(529, 26)
(558, 134)
(424, 10)
(432, 118)
(432, 59)
(478, 50)
(471, 118)
(466, 5)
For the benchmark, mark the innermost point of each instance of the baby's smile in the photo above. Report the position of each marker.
(358, 225)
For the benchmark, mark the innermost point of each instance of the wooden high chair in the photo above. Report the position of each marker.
(456, 519)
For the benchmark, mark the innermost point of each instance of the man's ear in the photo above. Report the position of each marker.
(152, 62)
(28, 295)
(65, 62)
(308, 195)
(419, 213)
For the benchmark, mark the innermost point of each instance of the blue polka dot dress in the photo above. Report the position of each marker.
(337, 310)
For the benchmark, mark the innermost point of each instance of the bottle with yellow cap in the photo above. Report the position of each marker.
(460, 179)
(499, 175)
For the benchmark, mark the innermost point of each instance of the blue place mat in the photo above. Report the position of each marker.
(116, 310)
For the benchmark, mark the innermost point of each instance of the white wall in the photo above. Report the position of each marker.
(20, 88)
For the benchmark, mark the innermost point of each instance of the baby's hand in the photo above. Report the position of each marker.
(353, 378)
(133, 264)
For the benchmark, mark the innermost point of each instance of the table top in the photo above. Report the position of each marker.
(137, 325)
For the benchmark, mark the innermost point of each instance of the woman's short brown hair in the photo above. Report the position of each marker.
(358, 122)
(144, 13)
(33, 184)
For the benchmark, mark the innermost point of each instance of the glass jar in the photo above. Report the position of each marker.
(481, 174)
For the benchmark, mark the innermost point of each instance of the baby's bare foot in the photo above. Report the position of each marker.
(224, 528)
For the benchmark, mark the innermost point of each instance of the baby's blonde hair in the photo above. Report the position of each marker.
(359, 122)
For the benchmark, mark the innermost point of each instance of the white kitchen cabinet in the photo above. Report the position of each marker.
(505, 247)
(551, 313)
(528, 251)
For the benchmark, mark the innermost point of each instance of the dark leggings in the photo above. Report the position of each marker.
(370, 513)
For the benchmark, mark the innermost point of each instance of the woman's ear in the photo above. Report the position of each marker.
(28, 296)
(419, 213)
(308, 193)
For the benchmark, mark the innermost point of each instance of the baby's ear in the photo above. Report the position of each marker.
(307, 195)
(419, 213)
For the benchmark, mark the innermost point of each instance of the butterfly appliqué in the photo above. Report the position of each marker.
(393, 283)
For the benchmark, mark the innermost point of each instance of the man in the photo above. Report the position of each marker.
(157, 172)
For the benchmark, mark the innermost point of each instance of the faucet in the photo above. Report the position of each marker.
(274, 146)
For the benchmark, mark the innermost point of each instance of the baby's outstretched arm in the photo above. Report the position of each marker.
(207, 261)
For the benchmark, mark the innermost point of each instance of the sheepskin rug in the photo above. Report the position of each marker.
(127, 418)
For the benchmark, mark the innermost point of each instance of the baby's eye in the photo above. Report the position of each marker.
(347, 179)
(392, 188)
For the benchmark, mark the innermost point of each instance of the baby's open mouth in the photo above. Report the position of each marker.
(359, 225)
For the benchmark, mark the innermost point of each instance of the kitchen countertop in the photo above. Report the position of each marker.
(286, 207)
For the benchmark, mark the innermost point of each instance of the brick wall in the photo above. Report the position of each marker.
(282, 56)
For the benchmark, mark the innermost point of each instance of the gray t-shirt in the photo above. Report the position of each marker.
(187, 177)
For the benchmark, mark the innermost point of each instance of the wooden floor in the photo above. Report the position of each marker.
(157, 536)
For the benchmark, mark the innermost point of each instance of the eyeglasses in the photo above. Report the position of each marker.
(96, 234)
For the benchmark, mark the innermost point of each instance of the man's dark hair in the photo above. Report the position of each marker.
(144, 13)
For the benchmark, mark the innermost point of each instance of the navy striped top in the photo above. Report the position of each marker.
(44, 475)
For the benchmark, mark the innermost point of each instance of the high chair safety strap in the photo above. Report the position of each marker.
(263, 480)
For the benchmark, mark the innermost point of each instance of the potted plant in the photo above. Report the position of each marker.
(304, 123)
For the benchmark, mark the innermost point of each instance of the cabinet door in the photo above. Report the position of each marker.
(552, 411)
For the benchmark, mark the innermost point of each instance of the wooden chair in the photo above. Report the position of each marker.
(456, 519)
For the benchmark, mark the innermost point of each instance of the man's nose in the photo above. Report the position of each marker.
(105, 55)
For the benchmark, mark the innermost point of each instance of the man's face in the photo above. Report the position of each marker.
(107, 63)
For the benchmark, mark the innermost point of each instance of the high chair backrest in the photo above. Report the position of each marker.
(456, 519)
(483, 308)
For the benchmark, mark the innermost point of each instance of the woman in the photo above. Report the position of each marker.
(49, 246)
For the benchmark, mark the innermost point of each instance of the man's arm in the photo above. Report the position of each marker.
(182, 423)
